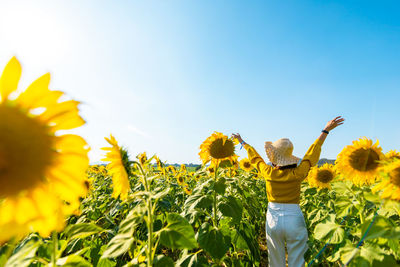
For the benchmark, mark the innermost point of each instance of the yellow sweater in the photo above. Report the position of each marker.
(283, 186)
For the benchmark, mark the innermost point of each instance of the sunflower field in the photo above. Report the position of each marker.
(57, 210)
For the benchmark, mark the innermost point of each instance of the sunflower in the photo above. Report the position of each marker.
(142, 158)
(42, 172)
(321, 177)
(171, 168)
(392, 155)
(232, 173)
(183, 168)
(187, 190)
(359, 162)
(211, 169)
(217, 147)
(159, 164)
(390, 180)
(180, 179)
(197, 177)
(119, 167)
(246, 165)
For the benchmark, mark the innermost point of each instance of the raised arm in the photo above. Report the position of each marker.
(311, 158)
(255, 159)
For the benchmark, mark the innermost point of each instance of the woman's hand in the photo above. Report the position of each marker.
(238, 137)
(332, 124)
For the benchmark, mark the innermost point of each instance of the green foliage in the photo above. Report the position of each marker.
(222, 223)
(213, 241)
(178, 233)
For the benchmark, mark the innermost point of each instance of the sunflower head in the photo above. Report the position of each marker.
(183, 168)
(392, 155)
(142, 158)
(180, 179)
(187, 190)
(171, 168)
(246, 165)
(119, 167)
(197, 176)
(232, 173)
(321, 177)
(211, 169)
(359, 162)
(389, 180)
(217, 147)
(159, 163)
(42, 171)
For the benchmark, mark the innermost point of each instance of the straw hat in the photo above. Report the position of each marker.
(280, 152)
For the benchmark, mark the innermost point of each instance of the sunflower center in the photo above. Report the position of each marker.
(324, 176)
(395, 176)
(25, 151)
(220, 150)
(364, 159)
(247, 164)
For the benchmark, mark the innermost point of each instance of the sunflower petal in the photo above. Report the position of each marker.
(35, 92)
(10, 78)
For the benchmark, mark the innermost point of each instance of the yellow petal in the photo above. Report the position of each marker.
(49, 99)
(62, 108)
(35, 92)
(10, 78)
(71, 143)
(68, 122)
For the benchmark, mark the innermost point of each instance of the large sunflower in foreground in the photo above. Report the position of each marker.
(217, 147)
(390, 181)
(359, 162)
(42, 173)
(118, 168)
(246, 165)
(321, 177)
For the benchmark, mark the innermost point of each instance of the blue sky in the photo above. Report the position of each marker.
(163, 75)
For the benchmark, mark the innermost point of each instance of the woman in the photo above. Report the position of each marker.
(285, 221)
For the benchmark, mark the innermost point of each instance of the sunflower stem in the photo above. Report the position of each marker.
(54, 252)
(149, 221)
(215, 196)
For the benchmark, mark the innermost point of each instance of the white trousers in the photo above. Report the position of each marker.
(285, 223)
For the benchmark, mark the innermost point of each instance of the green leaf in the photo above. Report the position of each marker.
(213, 241)
(220, 186)
(380, 228)
(231, 207)
(163, 261)
(104, 262)
(362, 256)
(118, 245)
(161, 194)
(73, 261)
(82, 230)
(342, 188)
(343, 206)
(132, 220)
(192, 260)
(391, 207)
(198, 200)
(178, 233)
(329, 231)
(24, 255)
(374, 198)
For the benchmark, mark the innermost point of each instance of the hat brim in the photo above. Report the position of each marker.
(277, 158)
